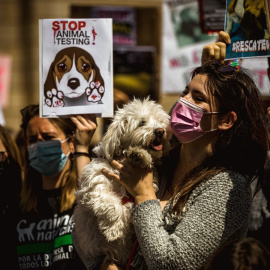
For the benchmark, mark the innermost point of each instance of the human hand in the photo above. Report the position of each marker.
(137, 181)
(108, 265)
(217, 49)
(86, 126)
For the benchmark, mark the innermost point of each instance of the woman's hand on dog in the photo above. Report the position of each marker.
(137, 181)
(217, 49)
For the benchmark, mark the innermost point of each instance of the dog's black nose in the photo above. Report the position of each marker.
(159, 132)
(73, 83)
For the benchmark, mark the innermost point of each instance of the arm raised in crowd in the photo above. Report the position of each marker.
(217, 49)
(86, 127)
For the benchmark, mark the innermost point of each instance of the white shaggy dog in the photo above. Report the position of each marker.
(139, 132)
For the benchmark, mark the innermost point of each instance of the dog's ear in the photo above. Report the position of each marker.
(50, 81)
(97, 74)
(111, 141)
(96, 71)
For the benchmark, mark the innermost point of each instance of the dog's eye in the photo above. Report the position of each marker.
(61, 67)
(142, 123)
(85, 67)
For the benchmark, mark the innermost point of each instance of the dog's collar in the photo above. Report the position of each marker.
(127, 198)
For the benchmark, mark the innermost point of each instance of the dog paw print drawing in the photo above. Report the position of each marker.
(73, 79)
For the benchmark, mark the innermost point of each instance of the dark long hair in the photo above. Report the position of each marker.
(10, 173)
(248, 254)
(32, 180)
(243, 147)
(10, 145)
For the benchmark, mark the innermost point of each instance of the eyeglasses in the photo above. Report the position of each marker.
(3, 156)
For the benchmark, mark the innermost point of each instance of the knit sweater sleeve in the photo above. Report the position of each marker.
(217, 211)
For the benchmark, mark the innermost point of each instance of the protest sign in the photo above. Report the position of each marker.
(182, 43)
(246, 24)
(212, 15)
(76, 67)
(267, 13)
(257, 67)
(5, 75)
(124, 23)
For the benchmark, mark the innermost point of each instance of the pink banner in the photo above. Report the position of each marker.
(5, 71)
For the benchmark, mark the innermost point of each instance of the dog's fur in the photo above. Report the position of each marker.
(73, 79)
(140, 132)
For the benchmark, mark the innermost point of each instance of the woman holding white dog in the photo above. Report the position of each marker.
(205, 197)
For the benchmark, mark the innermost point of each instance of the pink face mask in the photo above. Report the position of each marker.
(185, 121)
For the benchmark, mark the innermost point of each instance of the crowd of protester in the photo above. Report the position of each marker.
(214, 202)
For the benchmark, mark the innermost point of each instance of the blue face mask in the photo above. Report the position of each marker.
(47, 157)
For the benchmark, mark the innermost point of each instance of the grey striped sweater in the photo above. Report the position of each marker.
(217, 211)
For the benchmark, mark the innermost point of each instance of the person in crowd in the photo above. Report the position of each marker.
(205, 197)
(11, 180)
(53, 157)
(248, 253)
(10, 170)
(259, 224)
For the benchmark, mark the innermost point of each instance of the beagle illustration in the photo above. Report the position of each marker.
(73, 79)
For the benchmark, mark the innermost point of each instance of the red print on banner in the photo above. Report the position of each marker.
(1, 83)
(5, 70)
(94, 35)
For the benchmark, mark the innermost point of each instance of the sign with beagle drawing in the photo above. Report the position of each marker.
(76, 75)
